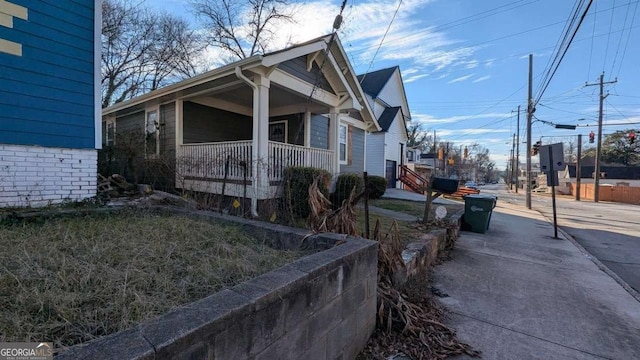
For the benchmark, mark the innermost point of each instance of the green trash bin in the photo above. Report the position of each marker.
(477, 211)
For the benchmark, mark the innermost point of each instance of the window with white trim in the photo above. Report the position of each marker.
(152, 133)
(110, 136)
(342, 143)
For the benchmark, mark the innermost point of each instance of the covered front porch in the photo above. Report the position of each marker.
(208, 167)
(238, 134)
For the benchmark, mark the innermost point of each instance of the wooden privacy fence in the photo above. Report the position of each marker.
(621, 194)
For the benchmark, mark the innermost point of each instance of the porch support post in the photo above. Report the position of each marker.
(260, 148)
(179, 181)
(307, 129)
(334, 144)
(307, 138)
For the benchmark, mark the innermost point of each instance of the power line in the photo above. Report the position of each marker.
(606, 52)
(557, 65)
(624, 25)
(593, 33)
(560, 43)
(624, 52)
(381, 41)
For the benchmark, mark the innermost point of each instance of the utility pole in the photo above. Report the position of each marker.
(513, 146)
(530, 110)
(518, 150)
(435, 153)
(601, 83)
(578, 167)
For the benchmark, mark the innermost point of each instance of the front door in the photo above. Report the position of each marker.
(390, 174)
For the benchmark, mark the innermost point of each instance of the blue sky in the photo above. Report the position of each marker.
(465, 62)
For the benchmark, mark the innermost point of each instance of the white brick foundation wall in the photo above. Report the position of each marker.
(39, 176)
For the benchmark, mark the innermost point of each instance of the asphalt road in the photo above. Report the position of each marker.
(608, 231)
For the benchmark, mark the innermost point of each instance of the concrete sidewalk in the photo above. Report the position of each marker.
(518, 293)
(400, 194)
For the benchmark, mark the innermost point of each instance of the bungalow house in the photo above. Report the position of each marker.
(236, 128)
(49, 101)
(386, 148)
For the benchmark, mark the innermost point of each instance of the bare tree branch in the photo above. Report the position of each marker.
(241, 28)
(143, 50)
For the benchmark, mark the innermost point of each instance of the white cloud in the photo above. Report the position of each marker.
(482, 78)
(461, 78)
(413, 78)
(429, 119)
(471, 64)
(469, 131)
(364, 24)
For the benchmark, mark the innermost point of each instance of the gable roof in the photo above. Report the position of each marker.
(329, 44)
(373, 82)
(387, 117)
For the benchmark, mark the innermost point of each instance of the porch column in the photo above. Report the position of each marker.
(307, 138)
(179, 181)
(334, 144)
(260, 148)
(307, 129)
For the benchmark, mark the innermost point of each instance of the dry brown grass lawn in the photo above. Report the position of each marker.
(75, 279)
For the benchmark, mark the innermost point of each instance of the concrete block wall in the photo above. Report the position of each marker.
(322, 306)
(39, 176)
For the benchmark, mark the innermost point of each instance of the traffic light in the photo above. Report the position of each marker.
(632, 137)
(592, 137)
(536, 148)
(451, 161)
(441, 154)
(466, 152)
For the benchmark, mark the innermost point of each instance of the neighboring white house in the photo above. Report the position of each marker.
(385, 149)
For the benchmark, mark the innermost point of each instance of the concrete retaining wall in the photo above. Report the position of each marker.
(322, 306)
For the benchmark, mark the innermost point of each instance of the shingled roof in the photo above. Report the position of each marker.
(374, 81)
(387, 116)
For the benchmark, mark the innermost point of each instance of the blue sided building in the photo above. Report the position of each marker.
(50, 121)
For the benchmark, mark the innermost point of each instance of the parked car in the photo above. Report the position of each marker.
(470, 185)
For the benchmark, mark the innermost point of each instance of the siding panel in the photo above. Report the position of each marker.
(207, 124)
(130, 123)
(319, 132)
(47, 92)
(375, 154)
(357, 152)
(168, 129)
(298, 68)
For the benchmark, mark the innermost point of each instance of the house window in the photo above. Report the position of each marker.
(342, 139)
(152, 133)
(110, 136)
(410, 156)
(278, 131)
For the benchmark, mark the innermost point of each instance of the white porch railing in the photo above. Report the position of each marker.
(283, 155)
(207, 160)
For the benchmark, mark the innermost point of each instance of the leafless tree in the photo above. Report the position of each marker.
(418, 137)
(143, 50)
(241, 28)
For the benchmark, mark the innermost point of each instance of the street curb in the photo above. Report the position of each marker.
(599, 264)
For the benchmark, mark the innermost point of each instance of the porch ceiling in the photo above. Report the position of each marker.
(280, 98)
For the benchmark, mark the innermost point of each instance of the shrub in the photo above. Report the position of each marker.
(376, 185)
(344, 186)
(297, 181)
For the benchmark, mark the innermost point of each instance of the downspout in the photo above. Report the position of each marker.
(254, 164)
